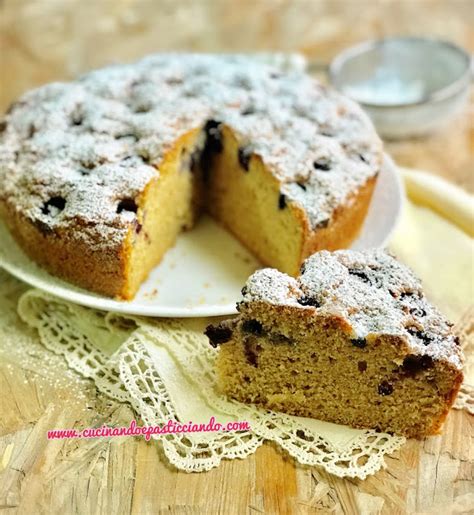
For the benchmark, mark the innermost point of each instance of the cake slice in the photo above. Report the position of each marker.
(352, 340)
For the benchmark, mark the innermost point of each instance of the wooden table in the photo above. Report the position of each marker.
(45, 40)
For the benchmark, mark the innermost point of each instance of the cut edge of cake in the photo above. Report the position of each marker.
(281, 236)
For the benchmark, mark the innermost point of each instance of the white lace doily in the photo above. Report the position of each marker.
(164, 369)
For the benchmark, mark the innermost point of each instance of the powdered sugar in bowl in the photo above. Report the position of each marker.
(408, 85)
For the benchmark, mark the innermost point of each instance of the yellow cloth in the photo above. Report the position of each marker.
(434, 237)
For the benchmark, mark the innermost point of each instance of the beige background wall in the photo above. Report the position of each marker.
(43, 40)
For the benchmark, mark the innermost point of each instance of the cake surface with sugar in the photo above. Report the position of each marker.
(82, 164)
(352, 340)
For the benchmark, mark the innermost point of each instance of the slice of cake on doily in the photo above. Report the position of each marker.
(352, 340)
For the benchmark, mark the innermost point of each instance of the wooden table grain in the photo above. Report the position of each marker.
(43, 40)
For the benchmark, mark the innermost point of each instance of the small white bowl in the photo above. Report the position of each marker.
(409, 86)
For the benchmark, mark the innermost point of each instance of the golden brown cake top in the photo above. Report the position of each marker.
(77, 154)
(371, 290)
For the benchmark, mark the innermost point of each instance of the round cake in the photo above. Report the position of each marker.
(99, 176)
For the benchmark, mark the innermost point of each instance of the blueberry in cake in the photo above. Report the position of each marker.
(352, 340)
(99, 176)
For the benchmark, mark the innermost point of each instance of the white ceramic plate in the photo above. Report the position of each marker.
(205, 271)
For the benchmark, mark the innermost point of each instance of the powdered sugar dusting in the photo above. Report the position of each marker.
(99, 139)
(271, 285)
(374, 292)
